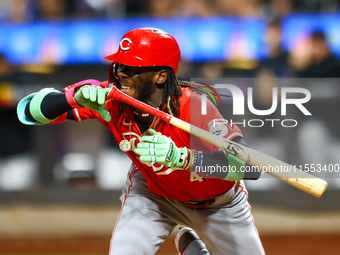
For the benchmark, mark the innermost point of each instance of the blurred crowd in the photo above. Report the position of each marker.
(32, 10)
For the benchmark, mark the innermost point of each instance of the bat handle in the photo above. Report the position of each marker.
(116, 94)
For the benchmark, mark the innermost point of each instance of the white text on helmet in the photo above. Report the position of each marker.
(127, 47)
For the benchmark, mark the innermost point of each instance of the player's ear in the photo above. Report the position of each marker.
(161, 76)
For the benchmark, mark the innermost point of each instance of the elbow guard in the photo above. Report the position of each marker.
(239, 170)
(236, 168)
(35, 100)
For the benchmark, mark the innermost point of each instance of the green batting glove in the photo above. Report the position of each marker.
(93, 98)
(161, 149)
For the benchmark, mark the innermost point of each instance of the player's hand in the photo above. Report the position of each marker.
(71, 90)
(161, 149)
(93, 98)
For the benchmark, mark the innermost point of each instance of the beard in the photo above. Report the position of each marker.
(144, 91)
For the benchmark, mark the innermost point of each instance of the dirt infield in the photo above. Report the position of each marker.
(326, 244)
(86, 230)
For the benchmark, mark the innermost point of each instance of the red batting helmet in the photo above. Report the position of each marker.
(147, 47)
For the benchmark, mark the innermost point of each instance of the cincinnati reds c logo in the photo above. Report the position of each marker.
(127, 47)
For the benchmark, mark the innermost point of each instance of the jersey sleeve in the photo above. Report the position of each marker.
(82, 113)
(211, 120)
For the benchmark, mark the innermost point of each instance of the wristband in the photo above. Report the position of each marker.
(35, 106)
(193, 160)
(199, 159)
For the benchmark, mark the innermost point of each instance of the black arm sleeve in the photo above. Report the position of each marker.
(52, 106)
(218, 158)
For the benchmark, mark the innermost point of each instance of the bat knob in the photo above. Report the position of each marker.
(114, 91)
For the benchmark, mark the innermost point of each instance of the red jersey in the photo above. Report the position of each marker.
(178, 185)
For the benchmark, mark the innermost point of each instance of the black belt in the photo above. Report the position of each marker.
(196, 204)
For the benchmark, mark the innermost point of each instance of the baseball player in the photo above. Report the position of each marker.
(164, 186)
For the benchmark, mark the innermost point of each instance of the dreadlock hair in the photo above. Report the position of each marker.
(172, 92)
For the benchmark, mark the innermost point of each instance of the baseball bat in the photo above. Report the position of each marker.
(276, 168)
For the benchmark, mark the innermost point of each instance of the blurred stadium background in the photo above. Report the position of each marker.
(60, 184)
